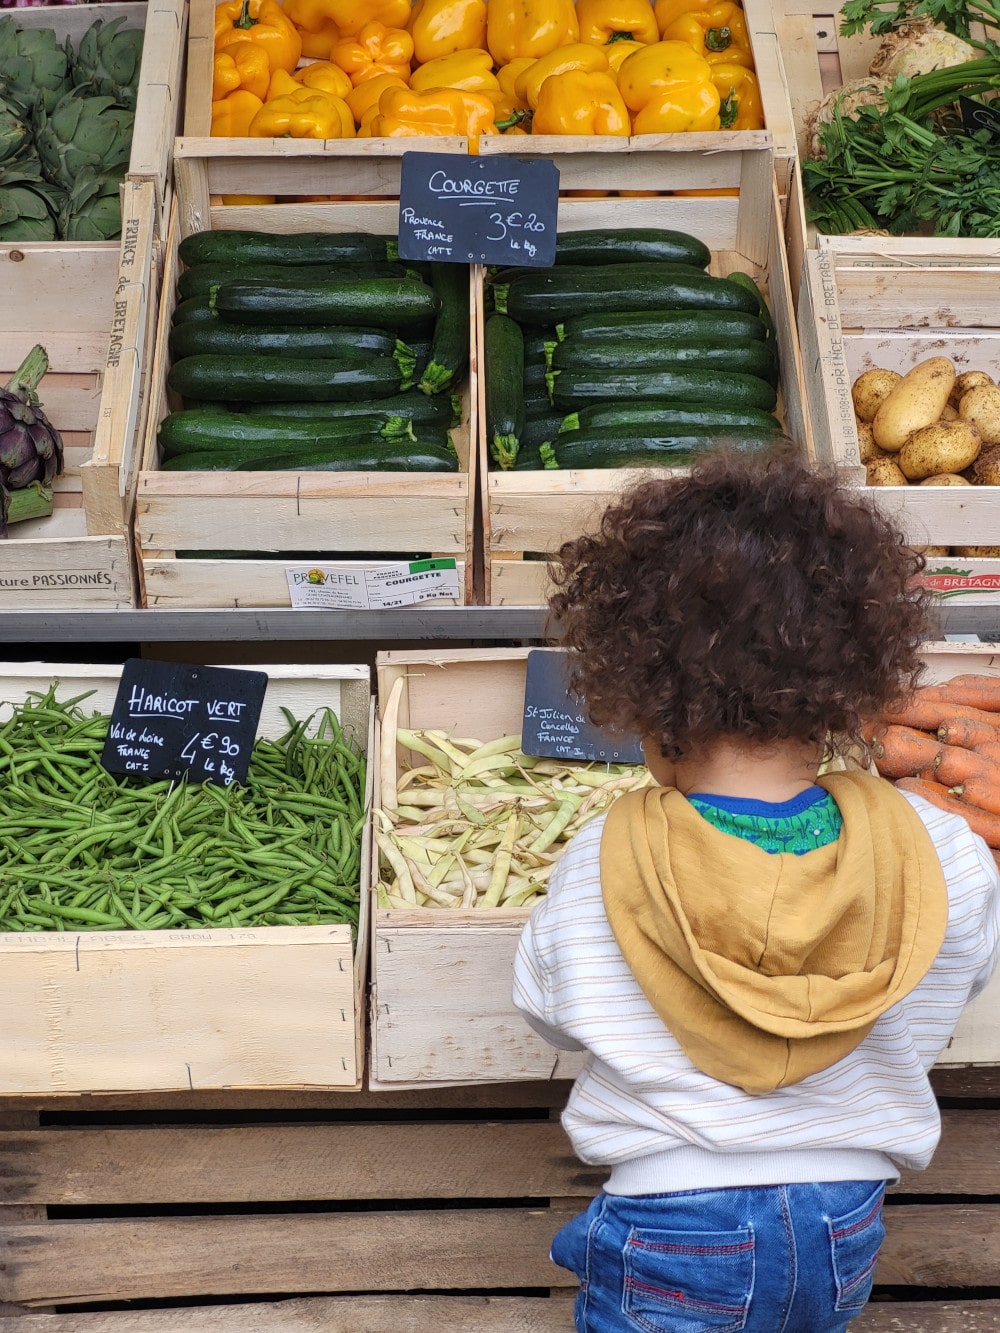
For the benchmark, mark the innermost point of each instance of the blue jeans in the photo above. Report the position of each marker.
(773, 1259)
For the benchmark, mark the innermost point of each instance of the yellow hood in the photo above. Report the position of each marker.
(770, 967)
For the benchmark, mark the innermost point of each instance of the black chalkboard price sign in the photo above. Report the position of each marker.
(478, 210)
(555, 723)
(172, 720)
(979, 116)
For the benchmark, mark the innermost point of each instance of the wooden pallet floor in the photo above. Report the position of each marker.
(410, 1212)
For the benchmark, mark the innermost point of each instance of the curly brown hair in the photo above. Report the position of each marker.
(748, 597)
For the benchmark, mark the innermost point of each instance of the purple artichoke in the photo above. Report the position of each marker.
(31, 448)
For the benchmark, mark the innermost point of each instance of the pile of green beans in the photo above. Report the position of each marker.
(82, 849)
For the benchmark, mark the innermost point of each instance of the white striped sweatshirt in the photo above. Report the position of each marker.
(643, 1109)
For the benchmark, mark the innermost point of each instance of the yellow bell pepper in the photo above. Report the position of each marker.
(441, 111)
(742, 108)
(665, 11)
(366, 94)
(262, 22)
(242, 65)
(618, 52)
(577, 55)
(529, 28)
(662, 67)
(308, 15)
(679, 110)
(231, 116)
(325, 76)
(375, 50)
(580, 102)
(507, 113)
(281, 84)
(313, 115)
(318, 45)
(441, 27)
(350, 16)
(603, 22)
(469, 70)
(718, 34)
(508, 75)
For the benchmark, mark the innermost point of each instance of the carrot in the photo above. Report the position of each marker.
(900, 752)
(980, 821)
(976, 691)
(984, 795)
(927, 713)
(989, 750)
(954, 765)
(967, 733)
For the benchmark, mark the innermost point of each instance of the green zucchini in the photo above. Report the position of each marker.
(663, 324)
(605, 448)
(533, 378)
(200, 279)
(552, 296)
(221, 432)
(294, 340)
(667, 417)
(449, 359)
(374, 303)
(539, 429)
(536, 341)
(535, 457)
(442, 409)
(745, 281)
(278, 379)
(639, 354)
(196, 309)
(415, 456)
(573, 389)
(249, 248)
(624, 245)
(503, 357)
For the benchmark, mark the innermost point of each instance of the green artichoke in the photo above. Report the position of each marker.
(33, 66)
(14, 132)
(29, 205)
(92, 210)
(31, 448)
(108, 61)
(83, 132)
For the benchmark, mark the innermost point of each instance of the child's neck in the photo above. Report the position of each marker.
(731, 767)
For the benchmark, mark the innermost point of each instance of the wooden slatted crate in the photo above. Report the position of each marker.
(89, 304)
(534, 512)
(854, 316)
(390, 1213)
(768, 62)
(182, 518)
(278, 1006)
(158, 103)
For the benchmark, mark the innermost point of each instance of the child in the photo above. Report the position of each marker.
(762, 965)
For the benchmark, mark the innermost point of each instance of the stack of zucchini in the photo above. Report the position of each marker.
(314, 352)
(626, 352)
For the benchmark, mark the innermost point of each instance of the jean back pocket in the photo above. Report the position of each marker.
(688, 1281)
(855, 1241)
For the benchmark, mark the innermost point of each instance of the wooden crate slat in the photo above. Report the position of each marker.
(942, 1245)
(335, 1314)
(243, 1164)
(74, 1262)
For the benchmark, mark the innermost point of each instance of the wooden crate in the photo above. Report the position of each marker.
(158, 104)
(854, 316)
(767, 59)
(89, 305)
(138, 1011)
(179, 514)
(534, 512)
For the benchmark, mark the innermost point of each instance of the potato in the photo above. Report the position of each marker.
(945, 479)
(946, 446)
(969, 379)
(884, 472)
(871, 389)
(981, 407)
(916, 401)
(980, 552)
(949, 412)
(986, 470)
(867, 448)
(932, 550)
